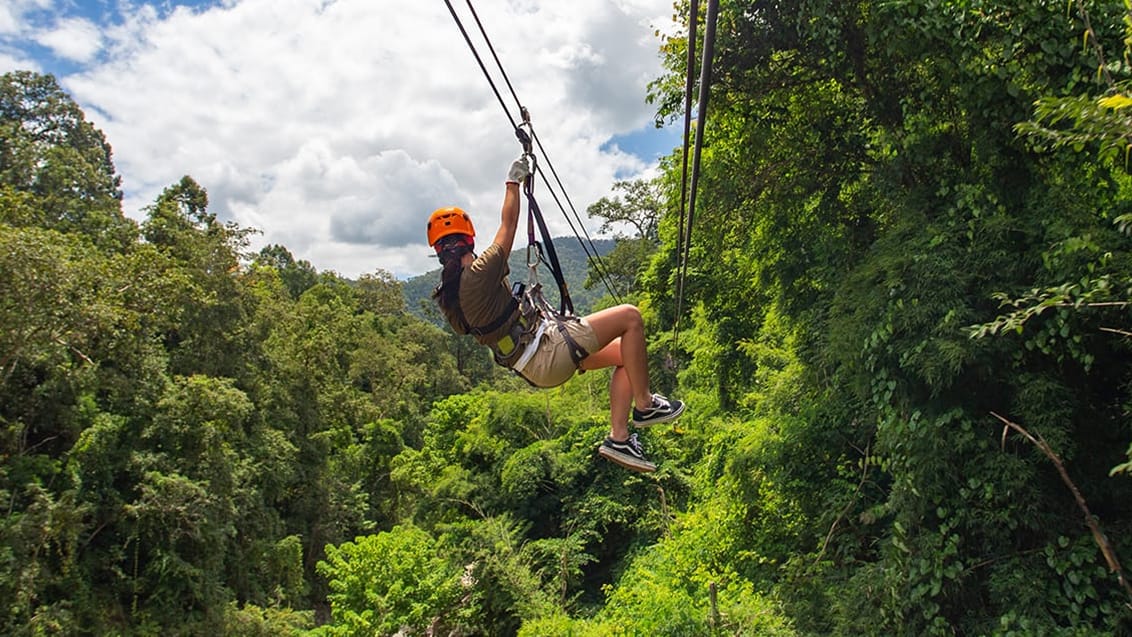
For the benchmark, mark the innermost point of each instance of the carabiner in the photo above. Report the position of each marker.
(533, 265)
(525, 136)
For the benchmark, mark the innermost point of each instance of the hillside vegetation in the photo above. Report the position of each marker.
(905, 346)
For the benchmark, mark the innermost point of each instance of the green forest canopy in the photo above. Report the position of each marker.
(912, 252)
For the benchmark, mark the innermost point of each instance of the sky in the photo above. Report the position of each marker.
(334, 127)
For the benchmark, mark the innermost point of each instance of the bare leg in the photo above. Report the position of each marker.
(620, 389)
(621, 333)
(620, 393)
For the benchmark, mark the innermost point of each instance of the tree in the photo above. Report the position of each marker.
(640, 209)
(393, 582)
(69, 318)
(208, 254)
(298, 276)
(1090, 286)
(181, 436)
(49, 150)
(380, 293)
(1079, 121)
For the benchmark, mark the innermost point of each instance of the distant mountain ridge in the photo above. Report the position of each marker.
(575, 264)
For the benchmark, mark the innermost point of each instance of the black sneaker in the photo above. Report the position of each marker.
(628, 454)
(662, 410)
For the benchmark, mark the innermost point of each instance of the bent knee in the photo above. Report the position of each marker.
(632, 317)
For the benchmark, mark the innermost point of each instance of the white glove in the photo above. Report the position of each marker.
(519, 172)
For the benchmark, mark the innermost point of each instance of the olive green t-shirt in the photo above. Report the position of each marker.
(485, 294)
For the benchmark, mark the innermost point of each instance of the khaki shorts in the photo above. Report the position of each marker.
(551, 364)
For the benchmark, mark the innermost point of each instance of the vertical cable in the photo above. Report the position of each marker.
(701, 119)
(689, 84)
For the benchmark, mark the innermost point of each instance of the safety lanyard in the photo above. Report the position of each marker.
(534, 217)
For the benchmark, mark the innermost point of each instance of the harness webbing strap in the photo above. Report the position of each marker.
(484, 330)
(577, 352)
(529, 350)
(565, 310)
(565, 305)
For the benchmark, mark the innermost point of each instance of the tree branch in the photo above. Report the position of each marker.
(1091, 36)
(848, 507)
(74, 349)
(1090, 519)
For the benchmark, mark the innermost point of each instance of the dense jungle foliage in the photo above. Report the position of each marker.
(906, 351)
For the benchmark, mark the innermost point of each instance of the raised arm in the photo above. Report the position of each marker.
(509, 223)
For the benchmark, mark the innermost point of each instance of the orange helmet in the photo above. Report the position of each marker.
(446, 221)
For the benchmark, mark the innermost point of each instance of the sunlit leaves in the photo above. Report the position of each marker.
(1076, 122)
(391, 581)
(178, 430)
(49, 306)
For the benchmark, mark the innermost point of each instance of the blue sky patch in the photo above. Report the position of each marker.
(648, 142)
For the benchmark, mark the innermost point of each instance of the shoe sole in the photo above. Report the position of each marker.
(656, 421)
(625, 460)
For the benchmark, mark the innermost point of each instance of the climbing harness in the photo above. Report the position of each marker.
(531, 294)
(529, 312)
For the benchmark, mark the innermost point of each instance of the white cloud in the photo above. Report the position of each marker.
(74, 39)
(9, 22)
(335, 127)
(15, 60)
(13, 14)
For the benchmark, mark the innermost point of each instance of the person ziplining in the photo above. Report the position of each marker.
(528, 336)
(543, 345)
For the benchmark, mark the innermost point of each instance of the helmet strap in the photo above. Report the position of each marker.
(447, 251)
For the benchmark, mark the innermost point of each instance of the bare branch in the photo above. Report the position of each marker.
(1091, 36)
(1090, 519)
(74, 349)
(1113, 330)
(848, 507)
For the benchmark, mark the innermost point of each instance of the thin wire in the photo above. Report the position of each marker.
(705, 91)
(595, 258)
(483, 68)
(599, 266)
(491, 48)
(689, 83)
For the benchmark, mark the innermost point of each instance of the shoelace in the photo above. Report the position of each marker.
(659, 404)
(636, 445)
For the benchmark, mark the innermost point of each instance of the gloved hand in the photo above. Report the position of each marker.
(520, 170)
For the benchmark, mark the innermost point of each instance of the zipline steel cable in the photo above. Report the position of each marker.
(594, 257)
(689, 85)
(701, 118)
